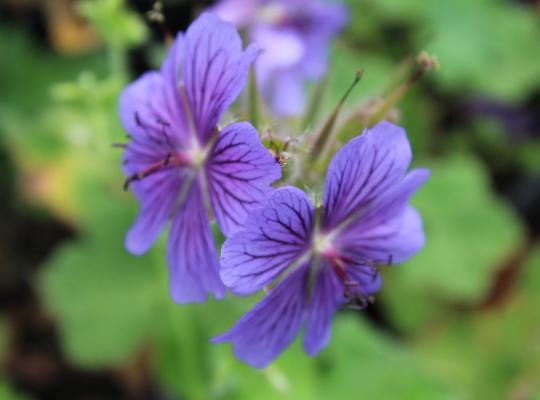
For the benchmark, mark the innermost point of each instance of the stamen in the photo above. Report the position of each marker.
(164, 125)
(148, 171)
(145, 129)
(163, 122)
(353, 292)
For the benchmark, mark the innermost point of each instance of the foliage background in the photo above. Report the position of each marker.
(80, 318)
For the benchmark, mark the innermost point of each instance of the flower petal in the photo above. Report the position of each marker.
(265, 331)
(150, 108)
(385, 232)
(171, 70)
(326, 21)
(238, 12)
(191, 253)
(286, 94)
(327, 297)
(157, 194)
(363, 170)
(240, 171)
(393, 241)
(274, 237)
(215, 70)
(368, 280)
(281, 48)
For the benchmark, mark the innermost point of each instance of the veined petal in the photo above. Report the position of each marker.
(157, 194)
(393, 241)
(393, 202)
(171, 70)
(326, 298)
(274, 237)
(363, 170)
(140, 113)
(215, 70)
(191, 253)
(265, 331)
(387, 230)
(239, 172)
(150, 108)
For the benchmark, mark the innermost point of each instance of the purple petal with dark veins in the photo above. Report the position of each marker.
(265, 331)
(171, 70)
(215, 70)
(239, 172)
(274, 237)
(191, 252)
(363, 170)
(394, 201)
(157, 194)
(393, 241)
(326, 297)
(150, 108)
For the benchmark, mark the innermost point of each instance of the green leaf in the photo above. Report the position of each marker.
(494, 50)
(490, 353)
(370, 364)
(119, 27)
(8, 393)
(104, 297)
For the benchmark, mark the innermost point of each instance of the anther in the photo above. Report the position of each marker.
(163, 122)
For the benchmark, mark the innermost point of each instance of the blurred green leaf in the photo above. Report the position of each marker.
(8, 393)
(493, 50)
(26, 79)
(119, 27)
(105, 298)
(368, 363)
(492, 353)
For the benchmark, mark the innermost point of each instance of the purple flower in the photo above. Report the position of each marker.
(294, 36)
(180, 166)
(327, 257)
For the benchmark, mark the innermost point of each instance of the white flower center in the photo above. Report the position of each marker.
(197, 156)
(322, 244)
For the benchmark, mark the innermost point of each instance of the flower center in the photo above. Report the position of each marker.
(322, 244)
(196, 156)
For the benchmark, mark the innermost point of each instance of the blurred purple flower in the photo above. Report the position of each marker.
(180, 166)
(294, 36)
(329, 258)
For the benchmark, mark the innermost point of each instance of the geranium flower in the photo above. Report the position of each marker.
(295, 36)
(324, 257)
(180, 166)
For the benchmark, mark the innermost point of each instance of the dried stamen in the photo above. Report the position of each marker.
(153, 168)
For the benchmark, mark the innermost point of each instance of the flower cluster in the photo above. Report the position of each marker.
(181, 166)
(184, 170)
